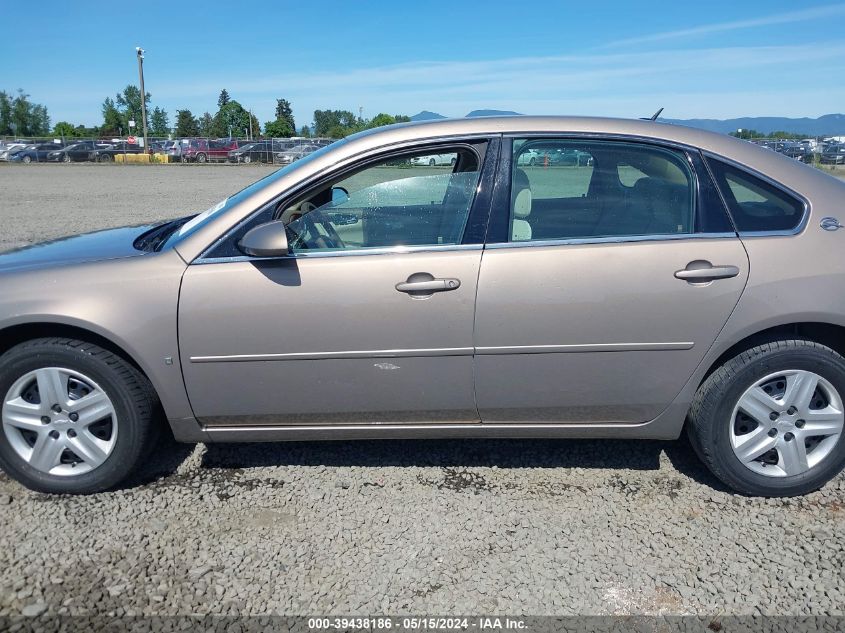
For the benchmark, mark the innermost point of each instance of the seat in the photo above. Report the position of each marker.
(521, 203)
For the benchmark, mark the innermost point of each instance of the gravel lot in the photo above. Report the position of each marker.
(428, 527)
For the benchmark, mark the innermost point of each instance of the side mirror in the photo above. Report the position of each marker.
(265, 240)
(339, 195)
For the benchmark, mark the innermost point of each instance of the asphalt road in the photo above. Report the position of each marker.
(428, 527)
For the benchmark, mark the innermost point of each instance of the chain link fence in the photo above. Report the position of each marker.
(182, 151)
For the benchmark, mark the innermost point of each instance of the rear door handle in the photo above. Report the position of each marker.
(701, 271)
(425, 284)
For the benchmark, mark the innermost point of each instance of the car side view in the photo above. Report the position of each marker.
(665, 280)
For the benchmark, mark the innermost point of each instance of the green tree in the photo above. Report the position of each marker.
(129, 101)
(305, 131)
(22, 117)
(335, 123)
(278, 129)
(65, 130)
(223, 99)
(386, 119)
(186, 123)
(232, 120)
(112, 119)
(5, 112)
(284, 112)
(159, 122)
(206, 122)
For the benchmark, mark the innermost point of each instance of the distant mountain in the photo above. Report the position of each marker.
(425, 115)
(827, 125)
(475, 113)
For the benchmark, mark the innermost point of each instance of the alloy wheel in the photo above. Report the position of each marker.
(787, 423)
(59, 421)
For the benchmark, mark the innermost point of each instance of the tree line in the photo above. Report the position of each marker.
(20, 117)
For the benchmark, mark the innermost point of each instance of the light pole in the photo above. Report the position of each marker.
(140, 52)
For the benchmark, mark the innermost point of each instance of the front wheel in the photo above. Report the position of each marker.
(769, 422)
(105, 158)
(65, 158)
(27, 159)
(76, 418)
(202, 158)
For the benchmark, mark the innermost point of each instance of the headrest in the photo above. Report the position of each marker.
(522, 197)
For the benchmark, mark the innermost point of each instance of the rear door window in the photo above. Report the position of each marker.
(570, 189)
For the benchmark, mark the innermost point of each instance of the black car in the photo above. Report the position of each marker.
(76, 152)
(106, 154)
(35, 153)
(833, 154)
(798, 151)
(258, 152)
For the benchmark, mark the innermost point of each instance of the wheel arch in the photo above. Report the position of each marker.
(14, 334)
(830, 334)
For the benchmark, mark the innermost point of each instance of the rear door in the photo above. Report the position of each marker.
(605, 281)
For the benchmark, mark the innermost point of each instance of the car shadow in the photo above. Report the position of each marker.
(640, 455)
(440, 453)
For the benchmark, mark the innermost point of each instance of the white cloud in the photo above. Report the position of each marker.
(804, 15)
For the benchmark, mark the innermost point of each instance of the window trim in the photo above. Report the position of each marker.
(487, 163)
(500, 219)
(805, 203)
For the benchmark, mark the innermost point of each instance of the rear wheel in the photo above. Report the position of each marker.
(770, 421)
(76, 418)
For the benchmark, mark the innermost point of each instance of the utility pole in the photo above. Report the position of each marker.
(140, 52)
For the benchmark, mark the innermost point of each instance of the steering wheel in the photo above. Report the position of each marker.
(332, 241)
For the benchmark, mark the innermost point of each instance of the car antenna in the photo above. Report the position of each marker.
(654, 116)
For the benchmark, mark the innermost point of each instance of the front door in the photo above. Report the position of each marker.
(613, 277)
(368, 321)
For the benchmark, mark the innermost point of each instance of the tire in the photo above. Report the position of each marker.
(130, 394)
(247, 158)
(202, 158)
(65, 158)
(532, 161)
(432, 162)
(27, 159)
(452, 162)
(105, 158)
(713, 428)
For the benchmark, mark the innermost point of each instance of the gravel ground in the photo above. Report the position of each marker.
(427, 527)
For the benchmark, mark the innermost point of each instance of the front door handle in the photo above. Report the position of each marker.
(425, 284)
(701, 271)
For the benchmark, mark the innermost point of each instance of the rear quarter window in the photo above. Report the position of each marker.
(756, 206)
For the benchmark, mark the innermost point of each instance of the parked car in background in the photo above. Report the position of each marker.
(75, 152)
(204, 150)
(10, 148)
(35, 153)
(107, 153)
(432, 160)
(833, 154)
(259, 151)
(294, 153)
(799, 151)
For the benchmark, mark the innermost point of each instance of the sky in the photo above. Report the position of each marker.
(716, 59)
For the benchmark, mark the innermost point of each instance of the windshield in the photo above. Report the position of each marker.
(227, 203)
